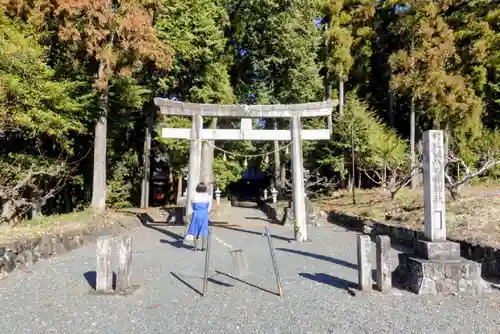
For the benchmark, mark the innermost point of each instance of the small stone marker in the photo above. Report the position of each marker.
(384, 276)
(364, 263)
(104, 272)
(124, 263)
(217, 195)
(434, 186)
(274, 194)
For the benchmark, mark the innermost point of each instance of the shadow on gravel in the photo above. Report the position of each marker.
(147, 222)
(321, 257)
(186, 283)
(267, 220)
(210, 279)
(339, 283)
(91, 278)
(256, 233)
(176, 244)
(247, 283)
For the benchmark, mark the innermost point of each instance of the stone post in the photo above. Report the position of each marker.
(124, 263)
(436, 246)
(104, 272)
(194, 161)
(383, 254)
(364, 263)
(299, 205)
(274, 194)
(265, 194)
(434, 187)
(217, 196)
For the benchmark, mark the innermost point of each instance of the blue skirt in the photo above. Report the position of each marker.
(199, 220)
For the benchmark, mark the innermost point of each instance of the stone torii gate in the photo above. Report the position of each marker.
(291, 111)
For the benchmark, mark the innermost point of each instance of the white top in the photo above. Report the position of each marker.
(203, 198)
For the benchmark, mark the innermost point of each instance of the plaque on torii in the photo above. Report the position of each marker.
(246, 112)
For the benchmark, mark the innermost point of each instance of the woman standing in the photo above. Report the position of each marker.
(202, 205)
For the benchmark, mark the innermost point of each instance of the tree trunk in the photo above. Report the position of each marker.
(353, 162)
(179, 188)
(277, 160)
(36, 209)
(99, 184)
(326, 82)
(9, 210)
(146, 158)
(341, 113)
(171, 188)
(68, 199)
(413, 182)
(391, 108)
(99, 180)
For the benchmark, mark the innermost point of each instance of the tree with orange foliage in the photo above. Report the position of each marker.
(118, 37)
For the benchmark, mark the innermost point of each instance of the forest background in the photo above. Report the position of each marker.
(78, 78)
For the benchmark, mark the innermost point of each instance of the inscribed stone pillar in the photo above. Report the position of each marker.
(124, 263)
(364, 263)
(104, 271)
(383, 255)
(434, 186)
(194, 161)
(299, 205)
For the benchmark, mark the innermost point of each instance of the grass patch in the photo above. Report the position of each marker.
(474, 217)
(54, 224)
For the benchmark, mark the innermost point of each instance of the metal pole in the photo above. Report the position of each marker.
(299, 204)
(207, 262)
(275, 264)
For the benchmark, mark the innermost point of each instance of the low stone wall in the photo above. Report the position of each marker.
(276, 212)
(23, 253)
(489, 257)
(283, 213)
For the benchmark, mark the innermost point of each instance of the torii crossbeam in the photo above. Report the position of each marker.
(197, 134)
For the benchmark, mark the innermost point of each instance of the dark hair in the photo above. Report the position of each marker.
(201, 188)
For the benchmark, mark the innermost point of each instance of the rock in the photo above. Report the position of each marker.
(440, 276)
(427, 286)
(28, 257)
(9, 261)
(367, 229)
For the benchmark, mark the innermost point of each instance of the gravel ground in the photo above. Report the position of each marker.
(53, 296)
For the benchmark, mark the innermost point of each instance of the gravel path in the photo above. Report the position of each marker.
(52, 297)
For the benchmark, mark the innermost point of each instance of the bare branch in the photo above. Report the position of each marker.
(395, 179)
(453, 185)
(314, 183)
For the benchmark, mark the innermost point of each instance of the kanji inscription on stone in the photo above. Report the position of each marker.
(434, 186)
